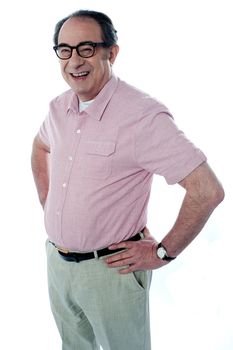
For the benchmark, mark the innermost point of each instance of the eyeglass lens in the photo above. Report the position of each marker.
(65, 52)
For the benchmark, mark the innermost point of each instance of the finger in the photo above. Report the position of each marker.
(128, 269)
(123, 262)
(119, 256)
(120, 262)
(126, 245)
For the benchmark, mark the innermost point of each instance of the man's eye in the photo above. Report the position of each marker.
(64, 50)
(86, 50)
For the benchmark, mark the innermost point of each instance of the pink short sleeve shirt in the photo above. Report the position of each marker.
(102, 161)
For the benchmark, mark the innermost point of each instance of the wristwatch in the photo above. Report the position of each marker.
(162, 253)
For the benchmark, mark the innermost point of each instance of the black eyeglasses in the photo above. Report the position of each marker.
(85, 49)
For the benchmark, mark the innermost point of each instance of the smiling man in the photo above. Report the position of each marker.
(93, 162)
(85, 76)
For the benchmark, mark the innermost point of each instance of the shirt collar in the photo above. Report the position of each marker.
(97, 107)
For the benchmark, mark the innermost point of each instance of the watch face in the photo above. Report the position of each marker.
(161, 252)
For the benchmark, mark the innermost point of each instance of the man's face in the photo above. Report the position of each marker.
(96, 70)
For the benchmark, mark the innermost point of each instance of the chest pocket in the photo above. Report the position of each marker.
(96, 161)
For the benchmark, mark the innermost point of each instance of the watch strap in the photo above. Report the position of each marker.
(166, 256)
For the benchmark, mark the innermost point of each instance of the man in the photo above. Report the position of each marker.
(93, 161)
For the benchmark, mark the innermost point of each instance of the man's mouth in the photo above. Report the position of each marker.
(80, 74)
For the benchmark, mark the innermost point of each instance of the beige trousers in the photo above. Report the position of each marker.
(93, 305)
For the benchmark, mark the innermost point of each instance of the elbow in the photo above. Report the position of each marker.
(217, 195)
(221, 194)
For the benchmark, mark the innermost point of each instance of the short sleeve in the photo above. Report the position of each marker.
(161, 148)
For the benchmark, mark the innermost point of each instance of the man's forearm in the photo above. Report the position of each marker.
(40, 169)
(199, 202)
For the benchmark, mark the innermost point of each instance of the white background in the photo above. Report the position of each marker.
(181, 53)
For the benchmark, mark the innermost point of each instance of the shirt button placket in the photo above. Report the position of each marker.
(70, 159)
(73, 142)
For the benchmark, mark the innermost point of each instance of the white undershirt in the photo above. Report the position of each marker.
(84, 105)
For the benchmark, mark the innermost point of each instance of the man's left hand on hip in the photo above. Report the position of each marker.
(139, 255)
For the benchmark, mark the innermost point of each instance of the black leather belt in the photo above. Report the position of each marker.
(77, 257)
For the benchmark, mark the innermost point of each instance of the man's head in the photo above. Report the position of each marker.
(86, 43)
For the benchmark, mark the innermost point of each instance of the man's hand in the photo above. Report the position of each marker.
(140, 255)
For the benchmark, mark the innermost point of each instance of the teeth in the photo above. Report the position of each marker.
(81, 74)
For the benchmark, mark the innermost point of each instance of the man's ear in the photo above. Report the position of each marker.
(113, 52)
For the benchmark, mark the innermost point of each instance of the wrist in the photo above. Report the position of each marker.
(162, 254)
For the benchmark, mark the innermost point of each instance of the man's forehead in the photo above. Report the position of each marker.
(82, 28)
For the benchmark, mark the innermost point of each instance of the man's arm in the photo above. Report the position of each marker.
(203, 194)
(40, 168)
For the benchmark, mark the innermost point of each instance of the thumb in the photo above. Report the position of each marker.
(146, 232)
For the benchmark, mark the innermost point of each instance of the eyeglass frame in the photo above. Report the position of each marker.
(91, 43)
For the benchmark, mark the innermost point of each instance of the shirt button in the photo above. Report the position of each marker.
(64, 185)
(78, 131)
(70, 158)
(58, 212)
